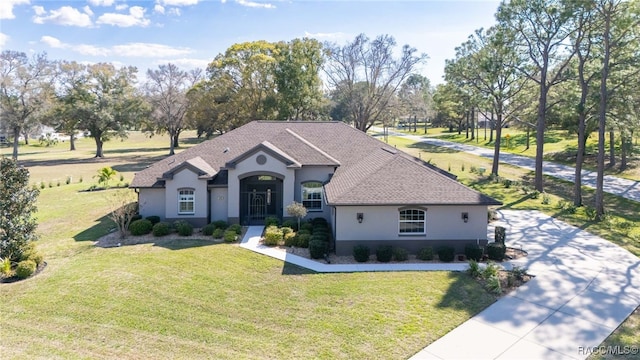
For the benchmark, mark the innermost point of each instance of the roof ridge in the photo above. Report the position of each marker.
(357, 183)
(308, 143)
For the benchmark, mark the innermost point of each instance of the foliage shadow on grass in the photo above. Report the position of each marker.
(136, 150)
(181, 244)
(428, 148)
(463, 295)
(102, 226)
(292, 269)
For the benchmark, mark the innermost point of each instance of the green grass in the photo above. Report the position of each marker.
(560, 146)
(622, 226)
(198, 299)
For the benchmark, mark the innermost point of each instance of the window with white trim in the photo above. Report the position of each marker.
(312, 195)
(186, 201)
(412, 221)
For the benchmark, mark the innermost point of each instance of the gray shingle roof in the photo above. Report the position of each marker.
(369, 172)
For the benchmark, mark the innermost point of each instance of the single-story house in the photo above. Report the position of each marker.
(369, 192)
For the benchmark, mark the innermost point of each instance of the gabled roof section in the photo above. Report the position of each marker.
(315, 155)
(196, 165)
(268, 148)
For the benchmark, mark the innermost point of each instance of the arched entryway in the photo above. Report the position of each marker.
(260, 198)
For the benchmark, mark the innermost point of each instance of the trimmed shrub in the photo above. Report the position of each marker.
(320, 237)
(300, 232)
(272, 236)
(303, 239)
(5, 267)
(140, 227)
(230, 236)
(307, 226)
(400, 254)
(473, 252)
(361, 253)
(446, 253)
(319, 221)
(317, 249)
(183, 228)
(286, 230)
(30, 253)
(291, 239)
(496, 251)
(25, 269)
(161, 229)
(500, 234)
(290, 224)
(208, 229)
(425, 254)
(219, 233)
(236, 227)
(271, 221)
(220, 224)
(154, 219)
(474, 269)
(384, 253)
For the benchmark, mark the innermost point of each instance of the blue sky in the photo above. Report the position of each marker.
(190, 33)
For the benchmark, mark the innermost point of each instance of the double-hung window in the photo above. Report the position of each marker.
(312, 195)
(186, 202)
(412, 221)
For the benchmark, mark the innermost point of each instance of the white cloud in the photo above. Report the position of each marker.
(149, 50)
(177, 2)
(52, 42)
(159, 9)
(4, 38)
(39, 10)
(121, 7)
(92, 50)
(6, 8)
(174, 11)
(66, 15)
(335, 35)
(101, 2)
(87, 10)
(134, 18)
(254, 4)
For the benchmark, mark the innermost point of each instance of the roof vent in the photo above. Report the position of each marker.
(226, 150)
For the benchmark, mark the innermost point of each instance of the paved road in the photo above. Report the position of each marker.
(614, 185)
(584, 287)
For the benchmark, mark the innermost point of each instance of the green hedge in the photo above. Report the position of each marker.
(161, 229)
(496, 251)
(473, 252)
(317, 249)
(140, 227)
(25, 269)
(425, 254)
(361, 253)
(446, 253)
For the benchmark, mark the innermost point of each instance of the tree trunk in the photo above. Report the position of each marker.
(72, 142)
(175, 140)
(467, 125)
(16, 142)
(542, 107)
(473, 124)
(602, 117)
(624, 147)
(496, 147)
(99, 143)
(577, 184)
(171, 145)
(612, 149)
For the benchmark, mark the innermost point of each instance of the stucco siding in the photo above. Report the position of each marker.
(250, 166)
(219, 204)
(181, 180)
(151, 202)
(313, 173)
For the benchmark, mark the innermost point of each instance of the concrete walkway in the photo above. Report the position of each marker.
(614, 185)
(584, 287)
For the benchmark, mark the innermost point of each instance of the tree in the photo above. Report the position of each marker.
(416, 97)
(18, 204)
(367, 75)
(122, 211)
(542, 29)
(298, 210)
(105, 175)
(108, 103)
(166, 90)
(25, 84)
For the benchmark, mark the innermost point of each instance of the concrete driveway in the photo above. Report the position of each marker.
(584, 287)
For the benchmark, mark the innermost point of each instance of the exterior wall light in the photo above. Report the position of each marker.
(465, 217)
(360, 217)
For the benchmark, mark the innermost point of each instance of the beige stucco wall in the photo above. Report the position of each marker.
(249, 167)
(186, 179)
(219, 204)
(151, 202)
(381, 223)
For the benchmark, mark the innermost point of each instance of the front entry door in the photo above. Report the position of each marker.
(260, 200)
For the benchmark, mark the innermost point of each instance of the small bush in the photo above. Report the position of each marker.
(425, 254)
(25, 269)
(491, 270)
(446, 253)
(154, 219)
(272, 236)
(361, 253)
(307, 226)
(320, 237)
(474, 269)
(571, 209)
(218, 233)
(473, 252)
(492, 215)
(68, 180)
(5, 267)
(400, 254)
(58, 183)
(291, 239)
(519, 272)
(290, 224)
(300, 232)
(534, 194)
(507, 183)
(34, 256)
(319, 221)
(271, 221)
(317, 249)
(140, 227)
(236, 227)
(546, 199)
(208, 229)
(161, 229)
(303, 239)
(80, 179)
(286, 230)
(183, 228)
(496, 251)
(42, 186)
(493, 285)
(473, 169)
(230, 236)
(384, 253)
(462, 168)
(220, 224)
(590, 212)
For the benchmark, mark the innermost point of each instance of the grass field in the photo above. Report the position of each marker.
(198, 299)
